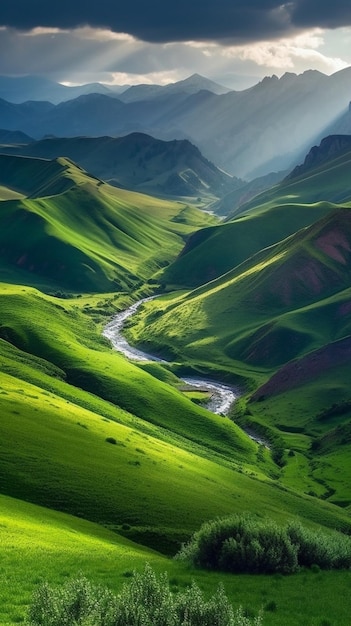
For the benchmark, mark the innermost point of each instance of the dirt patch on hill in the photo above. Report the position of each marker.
(309, 367)
(334, 244)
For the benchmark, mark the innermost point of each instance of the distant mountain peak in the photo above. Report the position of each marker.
(190, 85)
(205, 83)
(330, 148)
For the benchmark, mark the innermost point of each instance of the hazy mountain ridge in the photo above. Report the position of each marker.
(139, 162)
(247, 133)
(331, 147)
(14, 137)
(191, 85)
(19, 89)
(232, 201)
(22, 88)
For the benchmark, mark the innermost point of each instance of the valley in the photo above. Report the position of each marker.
(162, 366)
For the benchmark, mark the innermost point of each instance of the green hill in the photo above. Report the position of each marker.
(88, 433)
(325, 177)
(242, 307)
(50, 546)
(125, 236)
(119, 446)
(140, 162)
(268, 218)
(289, 301)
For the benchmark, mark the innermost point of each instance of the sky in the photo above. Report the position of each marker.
(234, 42)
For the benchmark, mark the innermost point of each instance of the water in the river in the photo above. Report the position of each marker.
(222, 396)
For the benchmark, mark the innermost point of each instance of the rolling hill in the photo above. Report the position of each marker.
(279, 320)
(308, 193)
(331, 147)
(244, 307)
(105, 463)
(126, 236)
(139, 162)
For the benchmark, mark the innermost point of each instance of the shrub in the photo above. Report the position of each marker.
(244, 543)
(271, 606)
(145, 601)
(111, 440)
(241, 544)
(73, 603)
(332, 551)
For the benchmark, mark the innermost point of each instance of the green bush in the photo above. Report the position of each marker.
(145, 601)
(111, 440)
(332, 551)
(244, 543)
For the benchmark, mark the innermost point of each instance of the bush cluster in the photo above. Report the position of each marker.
(245, 543)
(145, 601)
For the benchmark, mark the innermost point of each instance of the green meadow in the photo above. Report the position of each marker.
(267, 219)
(106, 464)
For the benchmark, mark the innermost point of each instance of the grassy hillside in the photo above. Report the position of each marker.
(120, 446)
(38, 544)
(211, 252)
(268, 218)
(153, 473)
(41, 545)
(289, 301)
(112, 466)
(139, 162)
(126, 236)
(261, 297)
(328, 180)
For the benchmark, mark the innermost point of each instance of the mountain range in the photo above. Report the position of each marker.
(248, 133)
(23, 88)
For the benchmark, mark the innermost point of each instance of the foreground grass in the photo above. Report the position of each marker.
(120, 447)
(39, 545)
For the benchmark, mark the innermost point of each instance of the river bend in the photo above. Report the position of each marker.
(222, 396)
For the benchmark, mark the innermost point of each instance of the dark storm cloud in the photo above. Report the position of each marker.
(153, 20)
(180, 20)
(322, 13)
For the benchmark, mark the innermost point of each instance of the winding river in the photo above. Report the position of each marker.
(222, 396)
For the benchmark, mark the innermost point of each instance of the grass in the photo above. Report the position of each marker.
(71, 343)
(88, 433)
(329, 182)
(9, 194)
(210, 252)
(281, 303)
(266, 219)
(38, 544)
(167, 447)
(126, 237)
(287, 301)
(41, 545)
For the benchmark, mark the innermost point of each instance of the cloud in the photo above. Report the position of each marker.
(136, 41)
(155, 20)
(226, 21)
(289, 53)
(322, 13)
(89, 54)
